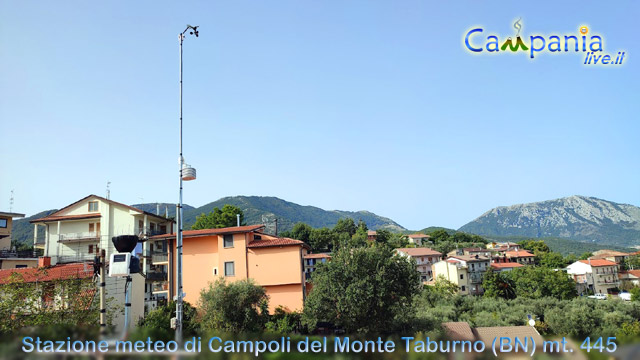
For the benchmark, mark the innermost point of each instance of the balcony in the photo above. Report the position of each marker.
(156, 276)
(160, 287)
(475, 278)
(28, 254)
(79, 237)
(64, 259)
(157, 257)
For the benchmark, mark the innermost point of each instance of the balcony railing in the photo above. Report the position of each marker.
(156, 276)
(27, 254)
(76, 258)
(159, 258)
(158, 287)
(475, 278)
(80, 236)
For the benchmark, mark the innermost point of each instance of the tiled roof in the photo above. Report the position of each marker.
(598, 262)
(208, 232)
(419, 252)
(318, 256)
(371, 232)
(487, 334)
(97, 197)
(418, 236)
(469, 258)
(635, 273)
(460, 331)
(608, 253)
(506, 265)
(66, 217)
(269, 241)
(519, 253)
(57, 272)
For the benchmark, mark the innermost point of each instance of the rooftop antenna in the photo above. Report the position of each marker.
(11, 202)
(108, 190)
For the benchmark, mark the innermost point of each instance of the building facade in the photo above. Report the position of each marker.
(79, 232)
(595, 276)
(10, 258)
(239, 253)
(425, 258)
(464, 270)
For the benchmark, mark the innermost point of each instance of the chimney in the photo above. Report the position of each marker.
(238, 218)
(276, 220)
(44, 261)
(157, 208)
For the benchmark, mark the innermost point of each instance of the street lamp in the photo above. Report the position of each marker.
(187, 173)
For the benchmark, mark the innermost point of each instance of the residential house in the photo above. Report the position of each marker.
(424, 258)
(595, 276)
(10, 258)
(520, 256)
(418, 239)
(464, 270)
(312, 260)
(238, 253)
(630, 278)
(372, 235)
(617, 257)
(79, 231)
(473, 251)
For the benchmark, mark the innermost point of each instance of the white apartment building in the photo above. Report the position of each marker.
(464, 270)
(78, 232)
(424, 258)
(595, 275)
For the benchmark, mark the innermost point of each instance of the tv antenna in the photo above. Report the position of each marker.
(11, 202)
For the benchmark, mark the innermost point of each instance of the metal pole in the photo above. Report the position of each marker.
(179, 233)
(103, 310)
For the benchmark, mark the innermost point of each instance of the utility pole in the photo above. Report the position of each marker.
(103, 310)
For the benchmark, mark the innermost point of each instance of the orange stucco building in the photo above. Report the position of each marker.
(238, 253)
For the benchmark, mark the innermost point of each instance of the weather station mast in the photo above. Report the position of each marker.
(187, 173)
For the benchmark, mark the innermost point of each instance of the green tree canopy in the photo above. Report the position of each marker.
(498, 284)
(537, 281)
(240, 306)
(219, 218)
(362, 289)
(158, 321)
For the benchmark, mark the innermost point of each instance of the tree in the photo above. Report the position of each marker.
(321, 239)
(345, 225)
(552, 260)
(497, 284)
(635, 294)
(536, 282)
(240, 306)
(585, 255)
(439, 236)
(362, 290)
(219, 218)
(300, 231)
(158, 321)
(535, 246)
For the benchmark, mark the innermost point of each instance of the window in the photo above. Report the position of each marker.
(462, 288)
(228, 241)
(93, 206)
(140, 225)
(21, 266)
(461, 276)
(90, 249)
(3, 223)
(229, 269)
(92, 227)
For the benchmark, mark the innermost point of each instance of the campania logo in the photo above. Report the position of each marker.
(591, 45)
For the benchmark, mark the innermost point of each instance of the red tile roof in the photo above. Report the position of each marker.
(519, 253)
(317, 256)
(209, 232)
(270, 241)
(418, 236)
(419, 252)
(57, 272)
(598, 262)
(635, 273)
(506, 265)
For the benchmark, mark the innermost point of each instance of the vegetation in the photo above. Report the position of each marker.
(362, 290)
(157, 323)
(219, 218)
(240, 306)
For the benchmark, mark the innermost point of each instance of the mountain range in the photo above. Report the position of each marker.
(580, 218)
(574, 218)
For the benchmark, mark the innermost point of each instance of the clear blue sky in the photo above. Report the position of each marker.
(345, 105)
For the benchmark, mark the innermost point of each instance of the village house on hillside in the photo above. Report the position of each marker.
(10, 258)
(425, 258)
(595, 276)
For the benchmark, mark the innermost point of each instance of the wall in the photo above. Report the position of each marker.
(288, 296)
(9, 263)
(6, 231)
(276, 265)
(200, 257)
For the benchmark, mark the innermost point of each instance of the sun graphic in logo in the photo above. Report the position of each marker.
(584, 30)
